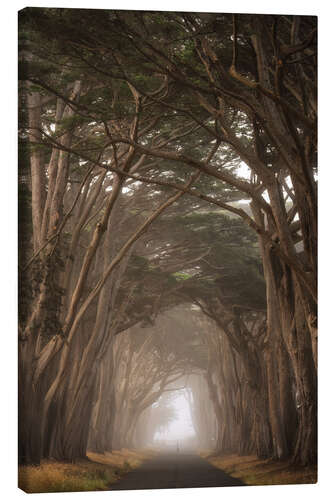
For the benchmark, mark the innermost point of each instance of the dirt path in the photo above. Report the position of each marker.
(175, 471)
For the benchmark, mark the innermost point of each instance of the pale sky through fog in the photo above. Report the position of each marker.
(244, 171)
(181, 427)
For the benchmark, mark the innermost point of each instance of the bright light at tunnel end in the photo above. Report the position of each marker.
(181, 428)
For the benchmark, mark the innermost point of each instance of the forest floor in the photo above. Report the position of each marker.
(98, 472)
(255, 472)
(102, 471)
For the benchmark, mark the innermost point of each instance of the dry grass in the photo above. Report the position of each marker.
(97, 473)
(122, 458)
(254, 471)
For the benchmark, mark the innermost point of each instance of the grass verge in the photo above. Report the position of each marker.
(255, 472)
(96, 473)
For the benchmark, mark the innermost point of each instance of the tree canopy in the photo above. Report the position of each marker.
(167, 159)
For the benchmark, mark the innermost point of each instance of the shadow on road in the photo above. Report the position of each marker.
(175, 471)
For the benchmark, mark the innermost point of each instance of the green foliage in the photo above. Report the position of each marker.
(186, 52)
(181, 276)
(231, 269)
(107, 50)
(69, 122)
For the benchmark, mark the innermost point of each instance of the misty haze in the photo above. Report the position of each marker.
(167, 249)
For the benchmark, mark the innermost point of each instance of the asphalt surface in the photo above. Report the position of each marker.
(175, 471)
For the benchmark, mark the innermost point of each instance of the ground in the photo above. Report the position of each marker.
(176, 470)
(97, 473)
(253, 471)
(128, 469)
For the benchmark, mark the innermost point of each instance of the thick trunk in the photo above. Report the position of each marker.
(218, 412)
(287, 397)
(75, 437)
(29, 402)
(287, 317)
(280, 449)
(29, 436)
(298, 339)
(66, 427)
(262, 429)
(100, 432)
(36, 164)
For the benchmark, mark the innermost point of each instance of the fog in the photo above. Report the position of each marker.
(181, 427)
(159, 388)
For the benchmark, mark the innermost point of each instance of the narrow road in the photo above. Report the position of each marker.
(175, 471)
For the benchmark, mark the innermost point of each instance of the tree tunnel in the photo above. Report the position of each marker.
(168, 233)
(177, 386)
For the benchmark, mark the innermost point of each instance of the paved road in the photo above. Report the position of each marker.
(175, 471)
